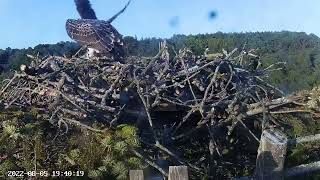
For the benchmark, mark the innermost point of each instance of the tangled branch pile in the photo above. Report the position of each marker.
(172, 100)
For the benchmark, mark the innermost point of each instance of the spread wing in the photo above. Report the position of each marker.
(85, 10)
(97, 34)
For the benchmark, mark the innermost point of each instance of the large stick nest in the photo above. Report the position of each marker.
(200, 92)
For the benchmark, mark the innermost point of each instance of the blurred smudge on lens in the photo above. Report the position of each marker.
(174, 21)
(212, 15)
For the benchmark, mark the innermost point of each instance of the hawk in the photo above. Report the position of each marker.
(98, 35)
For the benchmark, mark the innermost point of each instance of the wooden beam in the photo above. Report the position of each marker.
(271, 155)
(178, 173)
(136, 175)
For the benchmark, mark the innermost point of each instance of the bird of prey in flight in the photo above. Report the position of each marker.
(98, 35)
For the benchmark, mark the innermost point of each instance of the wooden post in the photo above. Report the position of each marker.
(136, 175)
(271, 155)
(178, 173)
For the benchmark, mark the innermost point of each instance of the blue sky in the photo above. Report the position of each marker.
(26, 23)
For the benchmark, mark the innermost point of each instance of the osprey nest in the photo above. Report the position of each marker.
(169, 97)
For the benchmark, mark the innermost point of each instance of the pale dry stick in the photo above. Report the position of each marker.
(153, 59)
(145, 106)
(255, 99)
(60, 121)
(254, 109)
(188, 133)
(193, 69)
(192, 101)
(73, 113)
(156, 101)
(13, 92)
(253, 135)
(213, 79)
(200, 107)
(167, 62)
(212, 143)
(54, 114)
(167, 151)
(86, 89)
(276, 102)
(231, 53)
(269, 67)
(116, 116)
(58, 88)
(68, 99)
(16, 98)
(90, 89)
(269, 85)
(174, 102)
(295, 111)
(239, 58)
(78, 52)
(78, 123)
(241, 55)
(158, 145)
(271, 70)
(107, 92)
(8, 84)
(263, 89)
(184, 119)
(82, 83)
(63, 95)
(226, 86)
(150, 162)
(230, 79)
(188, 80)
(29, 93)
(272, 119)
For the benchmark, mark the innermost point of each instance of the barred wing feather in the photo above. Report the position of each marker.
(97, 34)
